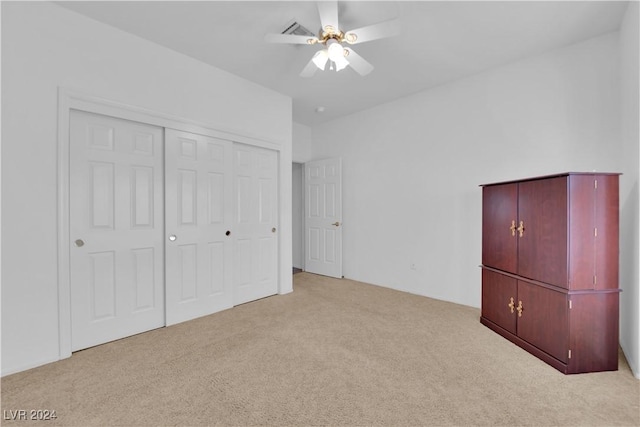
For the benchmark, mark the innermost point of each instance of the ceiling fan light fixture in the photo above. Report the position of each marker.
(320, 58)
(335, 50)
(334, 55)
(341, 63)
(330, 30)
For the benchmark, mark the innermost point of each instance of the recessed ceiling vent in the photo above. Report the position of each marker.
(297, 29)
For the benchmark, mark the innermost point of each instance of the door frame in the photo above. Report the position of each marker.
(68, 100)
(300, 205)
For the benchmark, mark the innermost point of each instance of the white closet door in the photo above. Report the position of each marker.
(199, 214)
(256, 222)
(116, 226)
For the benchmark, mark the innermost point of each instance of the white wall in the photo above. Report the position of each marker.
(629, 188)
(411, 168)
(301, 143)
(45, 47)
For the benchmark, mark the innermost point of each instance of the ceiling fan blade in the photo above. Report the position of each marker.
(289, 38)
(309, 70)
(358, 63)
(373, 32)
(328, 11)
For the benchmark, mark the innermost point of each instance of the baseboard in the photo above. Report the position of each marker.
(632, 363)
(26, 367)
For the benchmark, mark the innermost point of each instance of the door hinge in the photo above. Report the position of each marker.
(569, 354)
(595, 232)
(570, 305)
(595, 184)
(595, 280)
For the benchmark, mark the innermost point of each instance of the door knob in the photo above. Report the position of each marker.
(337, 224)
(79, 243)
(228, 233)
(273, 230)
(172, 237)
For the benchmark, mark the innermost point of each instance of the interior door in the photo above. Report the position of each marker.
(323, 217)
(199, 209)
(116, 226)
(256, 223)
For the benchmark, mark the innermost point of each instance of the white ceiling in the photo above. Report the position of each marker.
(440, 41)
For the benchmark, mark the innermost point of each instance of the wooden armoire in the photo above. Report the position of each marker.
(550, 268)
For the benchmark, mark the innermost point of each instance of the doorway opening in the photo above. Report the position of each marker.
(298, 217)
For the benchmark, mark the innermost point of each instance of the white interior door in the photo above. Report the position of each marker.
(256, 222)
(323, 217)
(116, 229)
(199, 215)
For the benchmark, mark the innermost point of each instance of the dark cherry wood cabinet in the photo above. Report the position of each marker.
(550, 268)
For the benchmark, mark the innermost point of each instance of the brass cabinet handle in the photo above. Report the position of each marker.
(511, 305)
(521, 228)
(513, 227)
(519, 308)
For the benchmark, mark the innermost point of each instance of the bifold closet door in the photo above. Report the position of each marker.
(256, 223)
(116, 228)
(199, 215)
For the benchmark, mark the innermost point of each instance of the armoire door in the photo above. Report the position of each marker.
(116, 228)
(542, 249)
(499, 227)
(199, 212)
(544, 319)
(255, 231)
(499, 299)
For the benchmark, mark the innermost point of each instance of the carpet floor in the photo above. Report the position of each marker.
(333, 352)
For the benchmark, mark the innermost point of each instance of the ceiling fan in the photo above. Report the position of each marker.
(334, 54)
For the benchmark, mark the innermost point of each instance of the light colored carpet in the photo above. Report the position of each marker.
(333, 352)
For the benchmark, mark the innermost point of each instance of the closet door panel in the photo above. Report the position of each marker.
(116, 219)
(199, 212)
(256, 223)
